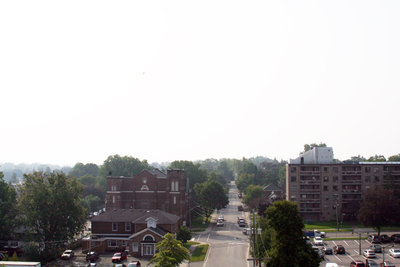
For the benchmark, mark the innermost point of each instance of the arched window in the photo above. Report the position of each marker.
(148, 238)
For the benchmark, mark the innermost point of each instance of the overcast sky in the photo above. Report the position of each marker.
(170, 80)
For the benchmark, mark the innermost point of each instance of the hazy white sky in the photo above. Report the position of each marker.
(168, 80)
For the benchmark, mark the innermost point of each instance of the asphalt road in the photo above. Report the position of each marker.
(228, 245)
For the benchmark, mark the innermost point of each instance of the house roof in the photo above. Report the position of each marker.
(272, 187)
(136, 216)
(156, 230)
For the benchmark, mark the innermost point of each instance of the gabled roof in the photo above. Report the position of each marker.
(136, 216)
(156, 230)
(272, 187)
(159, 174)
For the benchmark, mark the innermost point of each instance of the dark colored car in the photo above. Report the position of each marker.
(118, 257)
(240, 208)
(339, 249)
(395, 238)
(327, 251)
(374, 239)
(387, 264)
(92, 256)
(357, 264)
(377, 248)
(385, 239)
(372, 263)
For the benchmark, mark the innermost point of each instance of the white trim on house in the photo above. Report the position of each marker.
(144, 230)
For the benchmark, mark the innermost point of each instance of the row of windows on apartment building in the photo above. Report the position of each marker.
(174, 187)
(123, 243)
(336, 178)
(367, 169)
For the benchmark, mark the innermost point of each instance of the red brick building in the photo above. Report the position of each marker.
(140, 210)
(150, 190)
(134, 230)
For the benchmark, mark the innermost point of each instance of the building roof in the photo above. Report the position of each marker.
(136, 216)
(272, 187)
(158, 173)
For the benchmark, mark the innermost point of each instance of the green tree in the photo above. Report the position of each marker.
(287, 245)
(211, 196)
(394, 158)
(52, 209)
(377, 158)
(184, 234)
(7, 209)
(192, 171)
(379, 207)
(81, 169)
(308, 147)
(358, 158)
(254, 196)
(120, 166)
(170, 253)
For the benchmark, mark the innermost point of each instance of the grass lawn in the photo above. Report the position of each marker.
(326, 225)
(199, 253)
(190, 243)
(198, 226)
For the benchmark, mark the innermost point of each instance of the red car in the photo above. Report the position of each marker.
(119, 256)
(357, 264)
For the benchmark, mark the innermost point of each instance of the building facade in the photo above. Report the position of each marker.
(329, 190)
(134, 230)
(150, 190)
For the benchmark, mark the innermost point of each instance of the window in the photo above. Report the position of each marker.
(326, 169)
(293, 188)
(293, 179)
(335, 169)
(293, 169)
(123, 243)
(376, 170)
(113, 188)
(368, 178)
(326, 197)
(115, 226)
(135, 246)
(174, 186)
(335, 188)
(367, 169)
(377, 179)
(148, 238)
(127, 226)
(325, 188)
(335, 178)
(326, 179)
(112, 243)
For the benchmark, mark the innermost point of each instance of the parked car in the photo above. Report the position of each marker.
(92, 256)
(318, 233)
(221, 217)
(92, 264)
(318, 241)
(67, 255)
(394, 252)
(119, 256)
(395, 238)
(385, 239)
(309, 233)
(241, 222)
(357, 264)
(240, 208)
(369, 253)
(327, 250)
(134, 264)
(220, 222)
(374, 239)
(377, 248)
(120, 265)
(339, 249)
(387, 264)
(372, 263)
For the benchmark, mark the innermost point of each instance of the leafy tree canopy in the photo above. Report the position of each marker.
(379, 207)
(7, 209)
(170, 253)
(394, 158)
(254, 195)
(308, 147)
(377, 158)
(287, 246)
(192, 171)
(80, 169)
(184, 234)
(51, 207)
(211, 196)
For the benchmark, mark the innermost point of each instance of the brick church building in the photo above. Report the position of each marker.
(139, 211)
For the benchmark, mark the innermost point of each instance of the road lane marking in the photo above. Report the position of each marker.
(346, 243)
(348, 255)
(334, 243)
(357, 243)
(208, 237)
(337, 257)
(355, 251)
(198, 238)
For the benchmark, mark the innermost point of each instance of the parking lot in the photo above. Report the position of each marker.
(352, 252)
